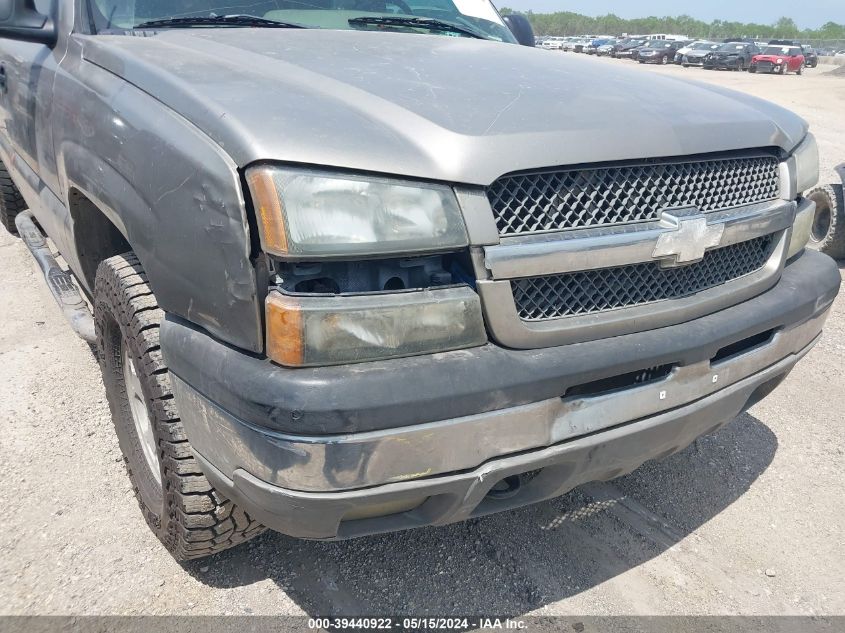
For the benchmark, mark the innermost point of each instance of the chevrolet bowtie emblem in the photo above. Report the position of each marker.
(688, 241)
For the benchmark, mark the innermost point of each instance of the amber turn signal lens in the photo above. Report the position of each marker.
(318, 331)
(268, 206)
(285, 343)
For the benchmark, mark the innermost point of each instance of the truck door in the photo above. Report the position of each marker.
(27, 71)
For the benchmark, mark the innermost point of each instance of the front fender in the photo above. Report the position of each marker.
(173, 193)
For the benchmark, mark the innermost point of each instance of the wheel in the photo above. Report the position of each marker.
(752, 69)
(685, 65)
(11, 201)
(664, 60)
(800, 69)
(828, 232)
(782, 70)
(184, 511)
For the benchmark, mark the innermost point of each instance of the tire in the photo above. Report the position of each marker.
(752, 69)
(800, 69)
(181, 507)
(11, 201)
(828, 232)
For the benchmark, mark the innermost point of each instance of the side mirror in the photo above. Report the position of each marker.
(521, 28)
(20, 20)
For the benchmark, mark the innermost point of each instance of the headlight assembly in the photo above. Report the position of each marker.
(305, 214)
(806, 158)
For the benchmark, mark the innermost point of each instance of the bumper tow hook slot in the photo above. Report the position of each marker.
(506, 488)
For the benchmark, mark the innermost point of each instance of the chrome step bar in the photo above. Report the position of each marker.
(61, 284)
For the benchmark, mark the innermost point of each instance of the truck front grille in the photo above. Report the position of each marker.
(592, 291)
(606, 195)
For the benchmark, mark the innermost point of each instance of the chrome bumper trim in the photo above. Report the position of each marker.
(343, 462)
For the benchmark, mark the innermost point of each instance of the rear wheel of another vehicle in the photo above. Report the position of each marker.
(11, 201)
(800, 69)
(181, 507)
(828, 232)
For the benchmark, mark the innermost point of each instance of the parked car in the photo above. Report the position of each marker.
(625, 49)
(552, 43)
(593, 47)
(580, 45)
(811, 57)
(778, 59)
(657, 52)
(606, 49)
(730, 56)
(694, 54)
(569, 43)
(685, 48)
(333, 306)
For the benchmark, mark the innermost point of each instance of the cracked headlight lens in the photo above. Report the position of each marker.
(311, 214)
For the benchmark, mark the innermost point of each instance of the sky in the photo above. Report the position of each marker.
(812, 13)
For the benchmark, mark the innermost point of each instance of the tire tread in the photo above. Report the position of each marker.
(197, 520)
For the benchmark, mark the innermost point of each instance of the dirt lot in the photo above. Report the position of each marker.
(747, 521)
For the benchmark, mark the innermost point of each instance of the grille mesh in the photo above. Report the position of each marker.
(588, 292)
(595, 196)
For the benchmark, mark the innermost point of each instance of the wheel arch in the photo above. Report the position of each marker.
(97, 235)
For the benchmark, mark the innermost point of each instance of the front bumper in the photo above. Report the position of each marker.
(766, 67)
(437, 433)
(726, 63)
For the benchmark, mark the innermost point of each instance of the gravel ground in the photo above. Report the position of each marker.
(747, 521)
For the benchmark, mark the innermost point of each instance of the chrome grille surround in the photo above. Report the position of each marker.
(599, 290)
(601, 195)
(500, 267)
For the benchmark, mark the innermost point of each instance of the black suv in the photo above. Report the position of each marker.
(731, 56)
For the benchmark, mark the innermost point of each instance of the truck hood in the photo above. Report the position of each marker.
(444, 108)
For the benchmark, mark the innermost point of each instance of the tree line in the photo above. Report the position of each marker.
(568, 23)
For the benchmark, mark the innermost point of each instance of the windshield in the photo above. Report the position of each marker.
(702, 46)
(479, 16)
(732, 46)
(781, 50)
(658, 44)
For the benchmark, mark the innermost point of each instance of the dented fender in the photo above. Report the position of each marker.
(171, 191)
